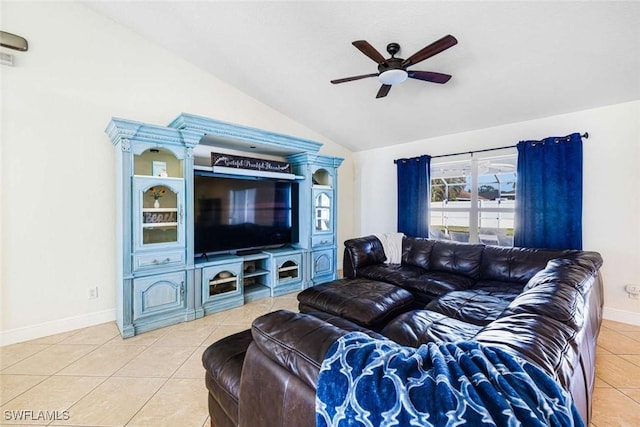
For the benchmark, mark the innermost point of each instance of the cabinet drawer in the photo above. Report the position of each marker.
(322, 240)
(160, 259)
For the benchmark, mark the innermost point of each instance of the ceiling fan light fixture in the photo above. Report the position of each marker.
(393, 77)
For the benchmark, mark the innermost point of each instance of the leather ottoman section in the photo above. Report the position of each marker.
(477, 306)
(362, 301)
(418, 327)
(223, 362)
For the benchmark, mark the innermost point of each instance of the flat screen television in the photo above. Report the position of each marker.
(239, 214)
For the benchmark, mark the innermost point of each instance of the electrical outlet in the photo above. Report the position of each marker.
(633, 291)
(92, 293)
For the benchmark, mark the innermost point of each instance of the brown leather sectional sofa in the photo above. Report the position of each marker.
(544, 305)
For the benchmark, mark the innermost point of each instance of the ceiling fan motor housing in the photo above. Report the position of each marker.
(393, 48)
(391, 64)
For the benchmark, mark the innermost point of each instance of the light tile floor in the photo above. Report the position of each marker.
(156, 379)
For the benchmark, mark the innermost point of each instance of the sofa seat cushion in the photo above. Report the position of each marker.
(396, 274)
(435, 283)
(477, 306)
(222, 362)
(362, 301)
(418, 327)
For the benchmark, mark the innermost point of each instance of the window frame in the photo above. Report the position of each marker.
(472, 180)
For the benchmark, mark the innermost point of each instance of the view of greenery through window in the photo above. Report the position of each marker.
(491, 182)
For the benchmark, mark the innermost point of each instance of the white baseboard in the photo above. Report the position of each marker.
(27, 333)
(630, 317)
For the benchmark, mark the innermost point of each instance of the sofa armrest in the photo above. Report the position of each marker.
(295, 341)
(281, 368)
(361, 252)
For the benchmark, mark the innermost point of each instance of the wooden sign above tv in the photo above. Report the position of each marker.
(240, 162)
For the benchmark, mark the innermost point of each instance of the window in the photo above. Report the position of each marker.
(474, 200)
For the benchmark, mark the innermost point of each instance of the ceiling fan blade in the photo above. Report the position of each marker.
(384, 90)
(349, 79)
(434, 48)
(429, 76)
(364, 47)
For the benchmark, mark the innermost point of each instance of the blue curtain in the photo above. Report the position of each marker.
(414, 196)
(549, 193)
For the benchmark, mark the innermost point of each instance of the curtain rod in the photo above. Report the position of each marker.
(584, 135)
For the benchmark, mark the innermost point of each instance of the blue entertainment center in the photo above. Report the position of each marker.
(195, 238)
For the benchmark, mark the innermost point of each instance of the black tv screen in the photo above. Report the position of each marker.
(235, 214)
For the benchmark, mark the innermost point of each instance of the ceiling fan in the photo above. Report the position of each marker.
(394, 70)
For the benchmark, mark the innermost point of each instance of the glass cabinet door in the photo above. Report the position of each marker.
(322, 212)
(158, 212)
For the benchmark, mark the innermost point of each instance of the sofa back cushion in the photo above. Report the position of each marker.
(416, 251)
(542, 340)
(459, 258)
(362, 252)
(565, 272)
(517, 265)
(556, 300)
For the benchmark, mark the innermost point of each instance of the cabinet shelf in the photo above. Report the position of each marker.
(159, 178)
(158, 210)
(160, 224)
(257, 273)
(224, 280)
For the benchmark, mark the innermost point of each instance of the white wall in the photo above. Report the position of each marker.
(58, 167)
(611, 204)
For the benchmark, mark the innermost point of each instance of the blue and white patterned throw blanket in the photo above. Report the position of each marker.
(375, 383)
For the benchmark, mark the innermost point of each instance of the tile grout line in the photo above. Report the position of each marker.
(49, 376)
(113, 375)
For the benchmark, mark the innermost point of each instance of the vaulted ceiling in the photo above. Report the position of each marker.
(514, 61)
